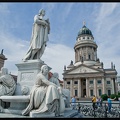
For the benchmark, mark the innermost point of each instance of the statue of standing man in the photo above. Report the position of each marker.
(39, 38)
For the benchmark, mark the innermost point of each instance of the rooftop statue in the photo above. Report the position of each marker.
(39, 38)
(7, 83)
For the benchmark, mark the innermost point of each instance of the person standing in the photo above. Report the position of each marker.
(94, 101)
(101, 102)
(73, 100)
(109, 101)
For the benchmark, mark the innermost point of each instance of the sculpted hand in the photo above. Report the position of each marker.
(59, 89)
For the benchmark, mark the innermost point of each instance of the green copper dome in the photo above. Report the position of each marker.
(84, 30)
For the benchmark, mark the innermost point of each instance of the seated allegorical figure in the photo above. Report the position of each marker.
(54, 77)
(7, 83)
(44, 96)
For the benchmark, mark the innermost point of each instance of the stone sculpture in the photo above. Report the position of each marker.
(7, 83)
(54, 78)
(45, 96)
(65, 92)
(40, 31)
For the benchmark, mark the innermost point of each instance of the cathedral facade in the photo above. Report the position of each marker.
(87, 76)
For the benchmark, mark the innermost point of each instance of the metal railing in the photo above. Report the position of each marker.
(100, 111)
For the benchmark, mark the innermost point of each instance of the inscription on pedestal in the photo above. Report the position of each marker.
(27, 76)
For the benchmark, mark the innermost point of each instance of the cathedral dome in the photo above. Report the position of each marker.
(84, 31)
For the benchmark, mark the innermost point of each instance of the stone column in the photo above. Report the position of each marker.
(95, 54)
(78, 88)
(113, 90)
(87, 53)
(71, 88)
(75, 55)
(103, 84)
(87, 89)
(78, 55)
(95, 87)
(80, 83)
(63, 83)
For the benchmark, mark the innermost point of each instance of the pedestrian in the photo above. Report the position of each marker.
(119, 101)
(94, 101)
(109, 101)
(73, 100)
(101, 102)
(97, 101)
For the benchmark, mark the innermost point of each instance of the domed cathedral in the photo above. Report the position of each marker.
(87, 76)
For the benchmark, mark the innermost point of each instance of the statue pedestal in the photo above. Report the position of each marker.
(27, 72)
(41, 115)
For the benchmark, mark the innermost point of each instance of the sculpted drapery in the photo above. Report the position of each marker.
(39, 38)
(7, 83)
(44, 96)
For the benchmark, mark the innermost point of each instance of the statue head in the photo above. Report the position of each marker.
(56, 75)
(4, 71)
(44, 69)
(42, 12)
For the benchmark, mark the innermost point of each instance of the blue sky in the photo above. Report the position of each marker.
(66, 19)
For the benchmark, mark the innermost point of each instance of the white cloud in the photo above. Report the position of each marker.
(56, 56)
(105, 16)
(49, 6)
(14, 51)
(67, 10)
(107, 34)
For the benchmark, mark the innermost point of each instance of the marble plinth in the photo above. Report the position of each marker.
(27, 72)
(41, 115)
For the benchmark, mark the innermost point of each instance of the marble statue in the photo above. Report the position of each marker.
(7, 83)
(65, 92)
(55, 79)
(39, 38)
(45, 96)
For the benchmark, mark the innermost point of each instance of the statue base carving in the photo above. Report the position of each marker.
(27, 72)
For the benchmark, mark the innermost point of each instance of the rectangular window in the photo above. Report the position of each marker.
(108, 82)
(91, 81)
(100, 92)
(99, 81)
(76, 93)
(75, 82)
(68, 82)
(91, 92)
